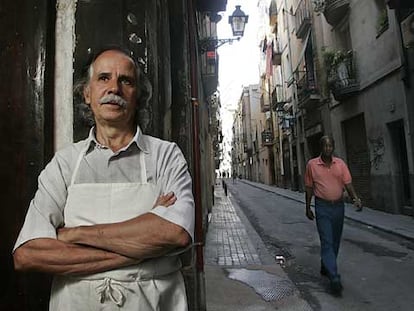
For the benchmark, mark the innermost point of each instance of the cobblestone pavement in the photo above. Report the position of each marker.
(227, 242)
(240, 274)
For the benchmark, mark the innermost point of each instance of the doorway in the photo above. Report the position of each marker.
(400, 159)
(358, 156)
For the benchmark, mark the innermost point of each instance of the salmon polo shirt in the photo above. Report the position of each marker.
(327, 182)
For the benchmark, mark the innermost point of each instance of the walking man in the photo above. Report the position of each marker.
(326, 177)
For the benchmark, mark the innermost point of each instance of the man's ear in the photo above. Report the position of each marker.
(87, 95)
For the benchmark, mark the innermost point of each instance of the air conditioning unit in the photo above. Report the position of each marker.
(407, 29)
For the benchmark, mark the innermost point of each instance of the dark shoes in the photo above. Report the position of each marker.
(336, 287)
(324, 272)
(335, 282)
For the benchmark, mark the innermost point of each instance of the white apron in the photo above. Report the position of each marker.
(155, 284)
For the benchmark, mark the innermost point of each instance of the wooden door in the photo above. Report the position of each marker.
(26, 28)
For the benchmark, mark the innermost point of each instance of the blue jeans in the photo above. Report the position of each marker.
(330, 221)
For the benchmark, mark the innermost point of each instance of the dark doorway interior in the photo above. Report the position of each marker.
(399, 149)
(358, 156)
(286, 164)
(314, 145)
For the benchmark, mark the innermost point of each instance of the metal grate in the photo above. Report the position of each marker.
(269, 286)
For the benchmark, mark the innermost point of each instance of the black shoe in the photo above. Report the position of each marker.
(324, 272)
(336, 287)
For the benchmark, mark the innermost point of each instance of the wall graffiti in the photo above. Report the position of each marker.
(377, 151)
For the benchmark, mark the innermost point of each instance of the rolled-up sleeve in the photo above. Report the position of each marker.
(175, 177)
(45, 212)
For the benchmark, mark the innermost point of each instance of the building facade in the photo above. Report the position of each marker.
(344, 68)
(249, 152)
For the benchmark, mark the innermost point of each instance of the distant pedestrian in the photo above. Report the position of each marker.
(234, 176)
(326, 177)
(225, 187)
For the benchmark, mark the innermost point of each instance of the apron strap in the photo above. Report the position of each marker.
(144, 179)
(80, 157)
(113, 290)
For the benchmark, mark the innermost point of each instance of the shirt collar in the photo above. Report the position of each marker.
(138, 140)
(320, 162)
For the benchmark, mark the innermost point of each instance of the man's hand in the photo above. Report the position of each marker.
(165, 200)
(310, 214)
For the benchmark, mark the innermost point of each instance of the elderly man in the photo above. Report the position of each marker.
(326, 176)
(110, 210)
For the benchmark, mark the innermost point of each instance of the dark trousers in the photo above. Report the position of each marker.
(330, 221)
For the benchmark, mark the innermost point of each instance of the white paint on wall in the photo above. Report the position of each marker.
(63, 94)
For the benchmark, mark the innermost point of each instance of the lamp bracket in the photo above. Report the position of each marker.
(211, 44)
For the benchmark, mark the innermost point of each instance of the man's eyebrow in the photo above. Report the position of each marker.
(103, 73)
(127, 76)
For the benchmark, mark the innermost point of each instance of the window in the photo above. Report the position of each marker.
(382, 17)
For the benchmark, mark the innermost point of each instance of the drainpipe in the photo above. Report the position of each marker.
(299, 127)
(292, 173)
(195, 139)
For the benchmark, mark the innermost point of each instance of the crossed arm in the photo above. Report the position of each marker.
(91, 249)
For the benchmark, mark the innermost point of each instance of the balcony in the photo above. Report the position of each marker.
(342, 77)
(312, 118)
(335, 10)
(308, 93)
(209, 71)
(267, 138)
(303, 18)
(264, 104)
(277, 54)
(273, 16)
(211, 5)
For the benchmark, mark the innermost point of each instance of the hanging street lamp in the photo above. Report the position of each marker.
(238, 21)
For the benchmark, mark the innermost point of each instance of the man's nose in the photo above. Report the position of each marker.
(113, 87)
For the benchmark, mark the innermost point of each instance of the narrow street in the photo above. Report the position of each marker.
(376, 267)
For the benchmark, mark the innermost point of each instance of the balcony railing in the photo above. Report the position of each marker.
(303, 18)
(335, 10)
(342, 78)
(267, 138)
(308, 93)
(277, 54)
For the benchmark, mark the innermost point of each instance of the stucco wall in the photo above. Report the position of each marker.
(376, 54)
(381, 103)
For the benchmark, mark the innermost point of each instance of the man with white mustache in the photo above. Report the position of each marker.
(112, 210)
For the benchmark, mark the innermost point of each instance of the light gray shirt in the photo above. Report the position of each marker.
(165, 165)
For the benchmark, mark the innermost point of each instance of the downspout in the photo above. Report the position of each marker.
(292, 172)
(195, 139)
